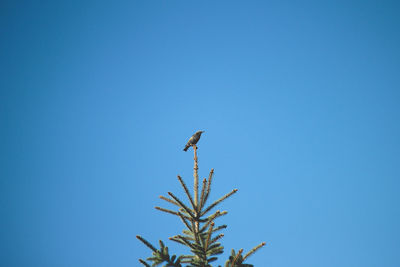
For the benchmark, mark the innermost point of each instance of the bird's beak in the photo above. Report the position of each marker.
(202, 131)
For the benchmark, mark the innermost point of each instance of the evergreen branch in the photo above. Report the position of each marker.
(144, 263)
(147, 243)
(212, 259)
(222, 213)
(209, 220)
(220, 228)
(175, 238)
(199, 262)
(162, 246)
(187, 192)
(159, 256)
(182, 205)
(216, 238)
(212, 218)
(186, 261)
(202, 195)
(184, 221)
(185, 258)
(198, 250)
(216, 250)
(210, 230)
(169, 200)
(189, 235)
(236, 257)
(253, 250)
(184, 212)
(189, 217)
(210, 176)
(186, 241)
(213, 246)
(218, 201)
(202, 239)
(167, 211)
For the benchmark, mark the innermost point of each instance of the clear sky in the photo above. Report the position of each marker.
(299, 101)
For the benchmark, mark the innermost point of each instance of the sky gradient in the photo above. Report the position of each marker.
(299, 101)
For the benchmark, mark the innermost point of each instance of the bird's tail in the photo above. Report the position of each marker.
(186, 148)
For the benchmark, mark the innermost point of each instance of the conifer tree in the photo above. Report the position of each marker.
(201, 235)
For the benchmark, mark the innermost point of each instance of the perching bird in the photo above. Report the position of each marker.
(193, 140)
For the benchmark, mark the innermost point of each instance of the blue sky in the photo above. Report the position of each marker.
(299, 101)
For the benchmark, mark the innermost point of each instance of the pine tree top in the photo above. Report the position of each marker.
(201, 235)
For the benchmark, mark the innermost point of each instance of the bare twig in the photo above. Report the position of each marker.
(196, 176)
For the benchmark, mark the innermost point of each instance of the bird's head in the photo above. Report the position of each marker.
(200, 132)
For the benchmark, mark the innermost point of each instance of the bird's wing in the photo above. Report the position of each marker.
(190, 140)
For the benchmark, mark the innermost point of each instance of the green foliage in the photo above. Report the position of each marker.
(200, 235)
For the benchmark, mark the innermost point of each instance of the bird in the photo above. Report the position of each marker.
(193, 140)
